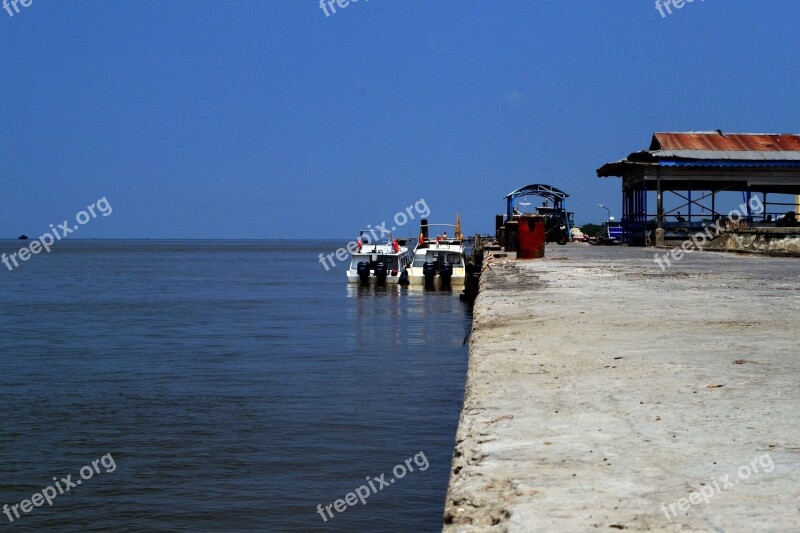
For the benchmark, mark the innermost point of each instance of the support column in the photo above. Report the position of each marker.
(644, 205)
(659, 201)
(713, 206)
(690, 204)
(747, 208)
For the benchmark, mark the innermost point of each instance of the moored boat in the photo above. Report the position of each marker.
(384, 263)
(439, 261)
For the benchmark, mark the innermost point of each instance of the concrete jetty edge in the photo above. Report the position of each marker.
(606, 393)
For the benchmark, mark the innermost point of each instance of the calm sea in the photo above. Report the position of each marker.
(235, 385)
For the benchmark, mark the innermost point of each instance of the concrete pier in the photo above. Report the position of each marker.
(605, 393)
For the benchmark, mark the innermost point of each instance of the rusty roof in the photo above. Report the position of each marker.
(727, 155)
(713, 148)
(719, 141)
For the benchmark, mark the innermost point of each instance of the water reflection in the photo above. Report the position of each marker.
(393, 317)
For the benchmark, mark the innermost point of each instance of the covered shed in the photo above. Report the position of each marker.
(696, 167)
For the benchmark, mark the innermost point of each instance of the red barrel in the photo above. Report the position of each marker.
(531, 235)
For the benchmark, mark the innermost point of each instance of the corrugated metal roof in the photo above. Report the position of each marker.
(730, 164)
(730, 155)
(712, 149)
(719, 141)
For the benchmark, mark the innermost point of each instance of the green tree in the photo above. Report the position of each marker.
(592, 230)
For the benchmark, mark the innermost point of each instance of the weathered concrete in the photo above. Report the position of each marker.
(601, 387)
(769, 241)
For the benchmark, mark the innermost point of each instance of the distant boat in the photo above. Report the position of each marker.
(23, 237)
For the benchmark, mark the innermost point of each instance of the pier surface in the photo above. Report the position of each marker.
(604, 393)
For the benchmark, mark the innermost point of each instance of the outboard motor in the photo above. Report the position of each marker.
(429, 272)
(363, 272)
(446, 274)
(380, 273)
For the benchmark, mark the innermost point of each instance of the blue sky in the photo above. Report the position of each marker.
(267, 119)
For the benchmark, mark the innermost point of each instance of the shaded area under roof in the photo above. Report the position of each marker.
(694, 167)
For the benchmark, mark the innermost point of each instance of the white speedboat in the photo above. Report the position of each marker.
(385, 263)
(439, 261)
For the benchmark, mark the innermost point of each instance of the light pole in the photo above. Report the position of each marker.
(607, 209)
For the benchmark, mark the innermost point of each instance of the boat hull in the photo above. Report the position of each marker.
(390, 280)
(456, 282)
